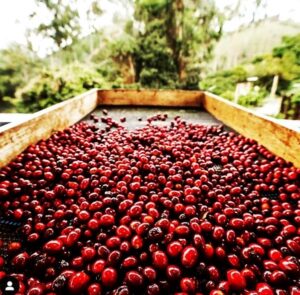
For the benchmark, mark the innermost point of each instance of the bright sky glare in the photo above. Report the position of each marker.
(14, 18)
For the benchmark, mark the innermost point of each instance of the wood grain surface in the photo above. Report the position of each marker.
(175, 98)
(16, 137)
(280, 140)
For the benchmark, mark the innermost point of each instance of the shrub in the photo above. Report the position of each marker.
(224, 81)
(53, 86)
(253, 98)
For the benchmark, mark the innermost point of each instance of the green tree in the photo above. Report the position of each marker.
(63, 27)
(122, 51)
(290, 47)
(175, 39)
(92, 14)
(224, 82)
(284, 62)
(54, 85)
(17, 65)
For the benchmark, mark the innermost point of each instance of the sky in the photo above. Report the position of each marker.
(14, 18)
(15, 21)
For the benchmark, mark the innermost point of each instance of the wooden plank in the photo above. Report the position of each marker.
(280, 140)
(170, 98)
(16, 137)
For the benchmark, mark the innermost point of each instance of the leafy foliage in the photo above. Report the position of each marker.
(294, 92)
(53, 86)
(175, 41)
(223, 83)
(17, 65)
(166, 45)
(63, 28)
(290, 46)
(284, 62)
(253, 98)
(155, 66)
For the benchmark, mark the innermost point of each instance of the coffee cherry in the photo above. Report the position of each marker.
(188, 285)
(98, 266)
(236, 280)
(53, 246)
(88, 253)
(159, 259)
(264, 289)
(94, 289)
(109, 277)
(107, 220)
(173, 272)
(150, 273)
(78, 282)
(174, 248)
(134, 278)
(189, 257)
(158, 210)
(123, 232)
(289, 265)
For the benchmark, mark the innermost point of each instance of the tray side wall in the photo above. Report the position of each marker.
(282, 141)
(16, 137)
(278, 139)
(169, 98)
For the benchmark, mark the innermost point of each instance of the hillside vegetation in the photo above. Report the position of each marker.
(284, 61)
(166, 45)
(255, 39)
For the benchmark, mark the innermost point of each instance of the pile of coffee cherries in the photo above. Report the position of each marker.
(175, 208)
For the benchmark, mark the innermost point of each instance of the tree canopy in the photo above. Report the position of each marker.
(163, 44)
(175, 39)
(284, 61)
(63, 27)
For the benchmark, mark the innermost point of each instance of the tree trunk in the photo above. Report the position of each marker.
(179, 33)
(174, 25)
(131, 69)
(181, 68)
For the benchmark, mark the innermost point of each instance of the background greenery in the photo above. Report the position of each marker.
(284, 61)
(168, 44)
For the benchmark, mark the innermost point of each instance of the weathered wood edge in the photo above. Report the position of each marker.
(149, 97)
(16, 137)
(280, 140)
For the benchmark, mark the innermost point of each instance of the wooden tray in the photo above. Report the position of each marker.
(197, 106)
